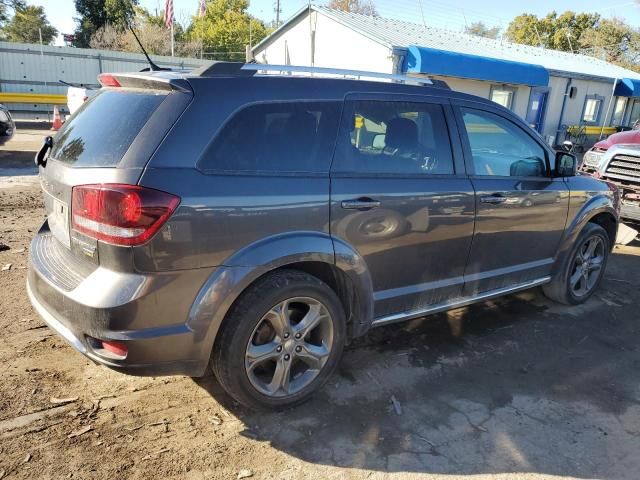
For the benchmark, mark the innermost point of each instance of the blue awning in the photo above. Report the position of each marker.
(627, 87)
(462, 65)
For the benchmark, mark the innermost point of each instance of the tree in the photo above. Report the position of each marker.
(557, 32)
(27, 24)
(481, 30)
(226, 28)
(95, 14)
(612, 40)
(363, 7)
(5, 6)
(152, 33)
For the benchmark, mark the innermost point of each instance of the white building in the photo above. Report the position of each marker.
(551, 89)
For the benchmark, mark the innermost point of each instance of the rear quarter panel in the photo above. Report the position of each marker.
(222, 214)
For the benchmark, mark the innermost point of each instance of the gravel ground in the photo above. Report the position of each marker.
(517, 388)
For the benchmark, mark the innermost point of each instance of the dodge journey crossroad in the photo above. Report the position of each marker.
(257, 222)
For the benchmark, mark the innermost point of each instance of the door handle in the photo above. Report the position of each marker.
(494, 199)
(363, 203)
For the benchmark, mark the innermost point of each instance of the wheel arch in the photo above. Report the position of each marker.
(341, 268)
(607, 221)
(599, 210)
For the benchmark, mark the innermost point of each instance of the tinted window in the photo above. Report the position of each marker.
(396, 137)
(501, 148)
(276, 137)
(102, 130)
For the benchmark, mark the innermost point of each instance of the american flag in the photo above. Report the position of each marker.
(202, 8)
(168, 13)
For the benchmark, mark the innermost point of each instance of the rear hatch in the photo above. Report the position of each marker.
(109, 140)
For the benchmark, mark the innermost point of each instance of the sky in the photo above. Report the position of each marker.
(438, 13)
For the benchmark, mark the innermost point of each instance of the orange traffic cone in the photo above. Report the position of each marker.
(57, 120)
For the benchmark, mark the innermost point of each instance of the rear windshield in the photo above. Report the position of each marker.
(102, 130)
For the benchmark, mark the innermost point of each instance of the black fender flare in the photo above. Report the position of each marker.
(227, 282)
(594, 206)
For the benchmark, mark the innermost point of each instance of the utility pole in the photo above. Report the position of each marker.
(569, 39)
(277, 13)
(424, 24)
(172, 38)
(538, 35)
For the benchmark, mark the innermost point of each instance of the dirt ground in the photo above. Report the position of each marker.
(517, 387)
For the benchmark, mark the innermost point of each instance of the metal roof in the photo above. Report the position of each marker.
(402, 34)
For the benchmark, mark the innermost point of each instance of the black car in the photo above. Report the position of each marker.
(7, 125)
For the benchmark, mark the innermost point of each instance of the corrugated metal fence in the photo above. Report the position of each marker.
(30, 68)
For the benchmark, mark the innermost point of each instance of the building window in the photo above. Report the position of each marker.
(618, 111)
(503, 95)
(592, 108)
(635, 114)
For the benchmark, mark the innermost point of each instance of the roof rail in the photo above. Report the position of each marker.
(358, 74)
(250, 69)
(223, 68)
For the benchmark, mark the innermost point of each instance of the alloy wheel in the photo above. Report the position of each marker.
(587, 266)
(289, 346)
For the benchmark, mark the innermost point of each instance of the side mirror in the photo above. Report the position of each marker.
(566, 164)
(567, 145)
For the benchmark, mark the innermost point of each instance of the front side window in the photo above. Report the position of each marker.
(503, 96)
(276, 137)
(395, 138)
(591, 111)
(501, 148)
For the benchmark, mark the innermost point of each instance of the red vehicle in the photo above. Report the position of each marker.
(617, 161)
(631, 137)
(592, 159)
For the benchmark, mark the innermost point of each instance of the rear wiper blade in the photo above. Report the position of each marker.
(41, 157)
(78, 85)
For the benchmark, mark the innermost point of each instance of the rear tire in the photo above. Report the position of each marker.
(280, 342)
(582, 270)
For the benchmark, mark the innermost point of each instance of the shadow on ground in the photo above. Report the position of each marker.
(518, 384)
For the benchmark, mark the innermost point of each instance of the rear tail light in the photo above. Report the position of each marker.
(120, 214)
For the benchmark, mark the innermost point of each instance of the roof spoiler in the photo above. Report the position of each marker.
(163, 80)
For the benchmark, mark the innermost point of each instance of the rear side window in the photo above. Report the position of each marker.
(404, 138)
(102, 130)
(276, 137)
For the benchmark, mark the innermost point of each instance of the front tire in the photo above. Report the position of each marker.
(281, 341)
(581, 270)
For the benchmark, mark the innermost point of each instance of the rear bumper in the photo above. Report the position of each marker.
(136, 309)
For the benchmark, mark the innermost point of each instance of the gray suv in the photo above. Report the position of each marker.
(257, 223)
